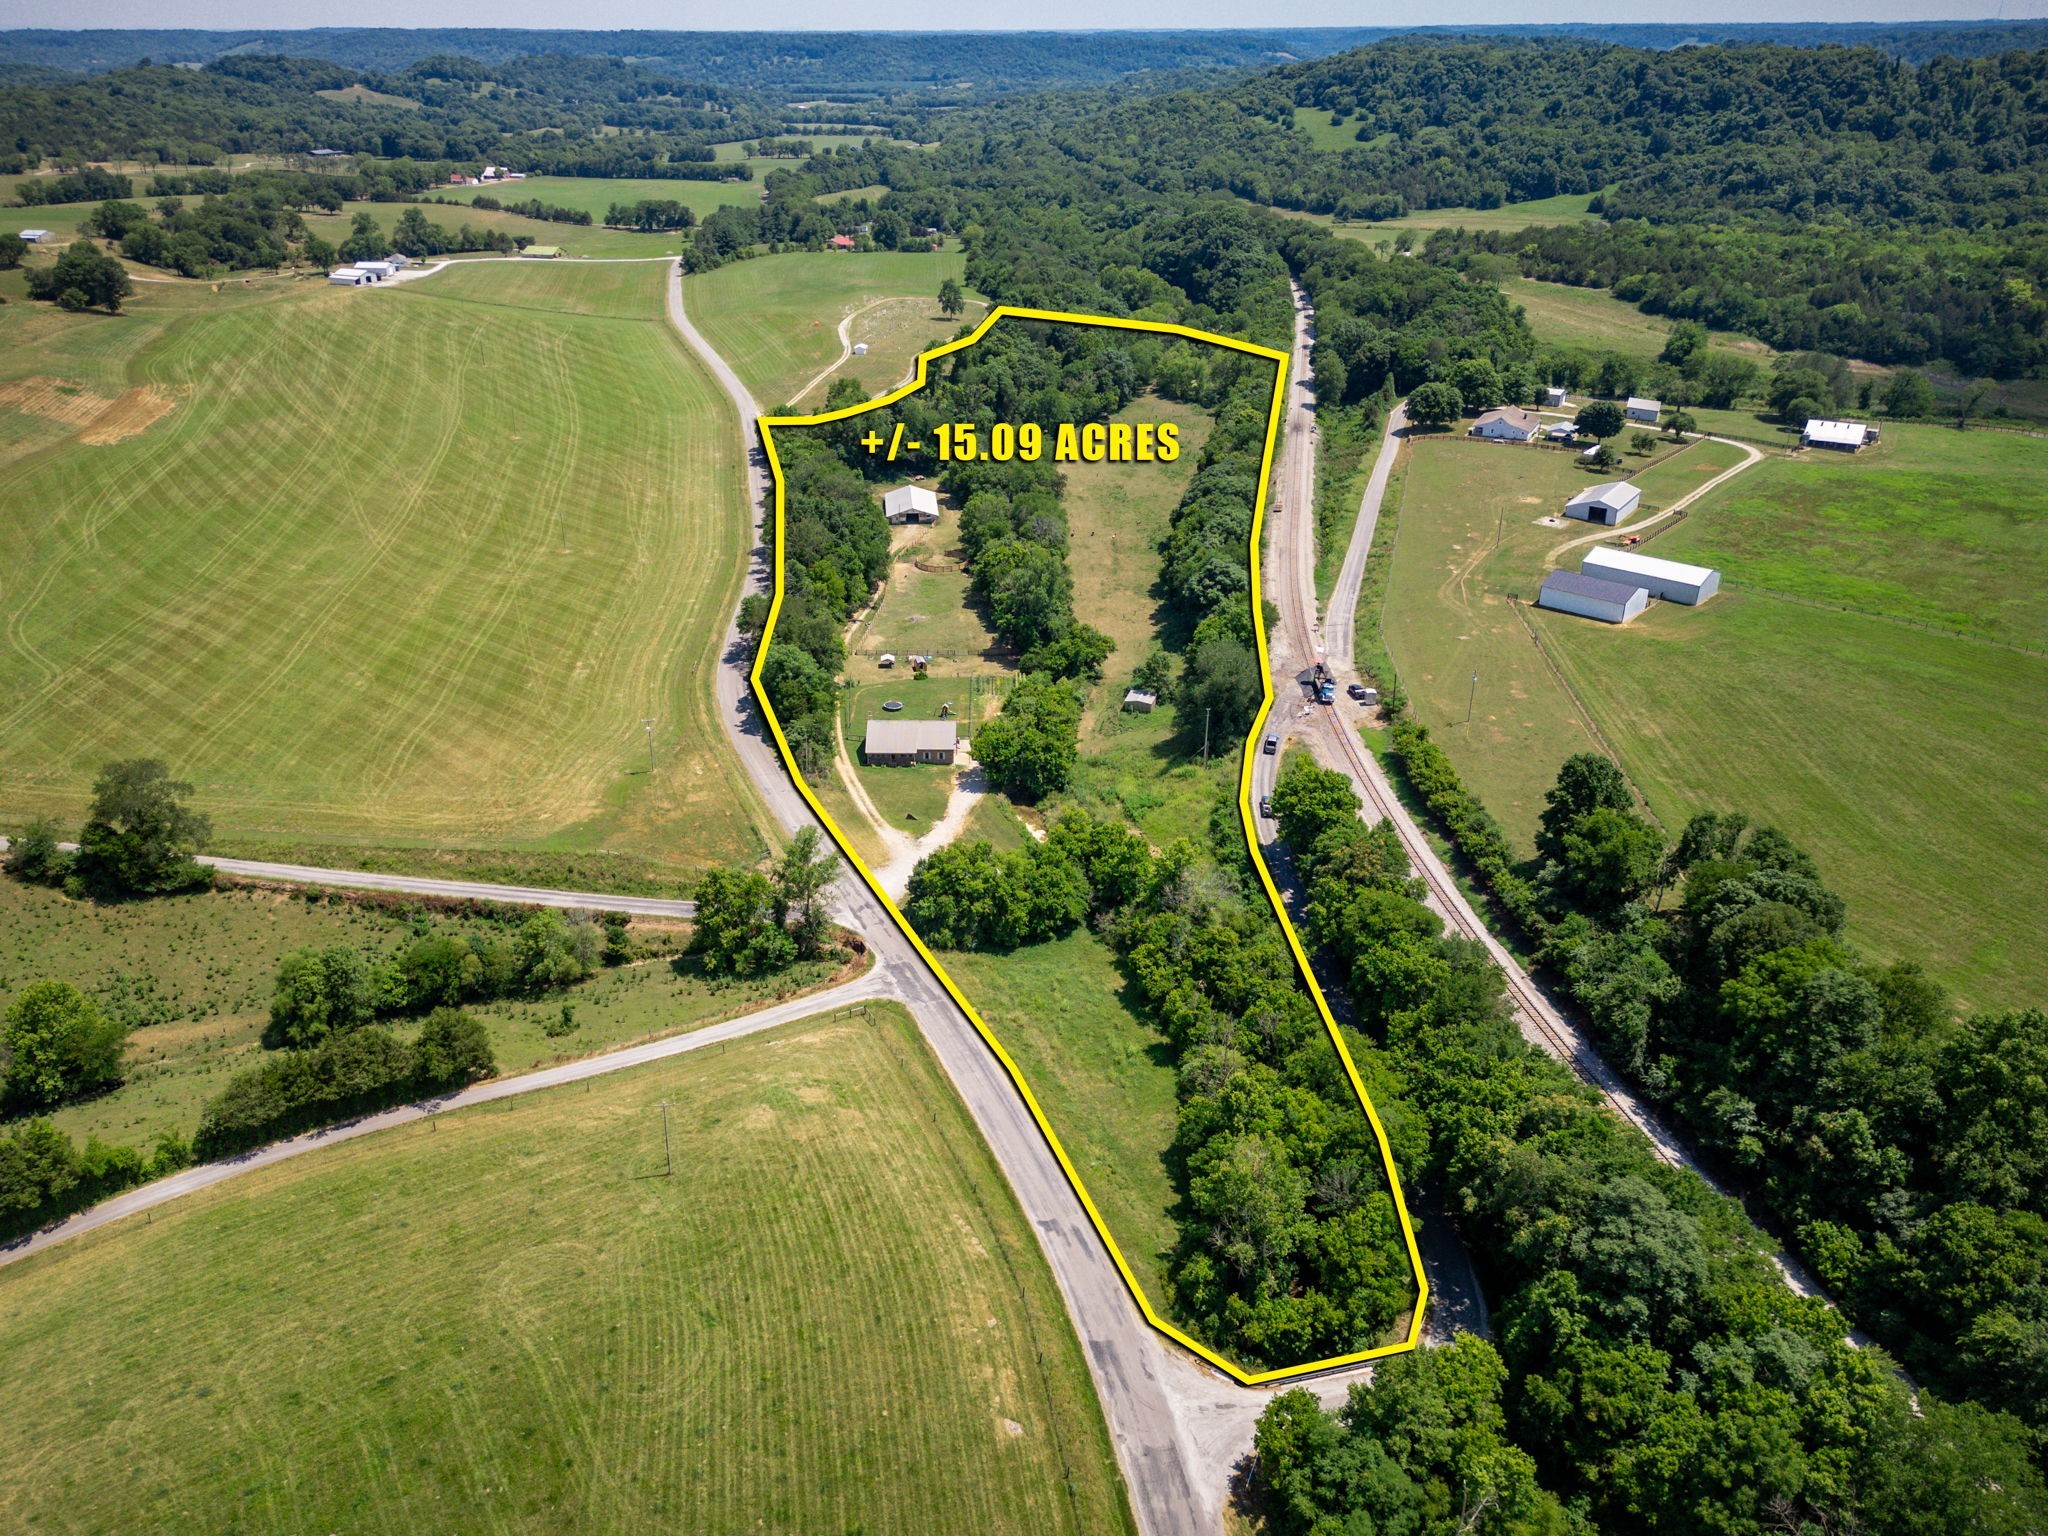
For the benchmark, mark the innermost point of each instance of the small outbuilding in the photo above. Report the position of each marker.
(35, 236)
(1844, 436)
(840, 242)
(911, 504)
(901, 743)
(1591, 597)
(1672, 580)
(542, 252)
(1553, 394)
(860, 349)
(1140, 701)
(1646, 411)
(1607, 504)
(348, 277)
(398, 261)
(1561, 432)
(1508, 424)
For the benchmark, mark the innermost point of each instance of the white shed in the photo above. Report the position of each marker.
(860, 349)
(1590, 597)
(1671, 580)
(348, 277)
(1639, 409)
(1553, 394)
(1848, 436)
(1140, 701)
(911, 504)
(1606, 504)
(1561, 432)
(35, 236)
(375, 271)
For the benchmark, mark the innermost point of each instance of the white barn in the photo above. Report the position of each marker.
(1848, 436)
(1607, 504)
(348, 277)
(35, 236)
(1508, 424)
(1553, 394)
(1671, 580)
(1590, 597)
(911, 504)
(1639, 409)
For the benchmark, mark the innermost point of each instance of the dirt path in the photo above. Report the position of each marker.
(967, 793)
(845, 350)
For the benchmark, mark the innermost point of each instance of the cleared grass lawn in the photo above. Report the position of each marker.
(1941, 527)
(1566, 208)
(594, 195)
(832, 1318)
(1101, 1074)
(385, 567)
(574, 239)
(1331, 138)
(1596, 319)
(1910, 764)
(193, 976)
(776, 318)
(912, 797)
(1907, 761)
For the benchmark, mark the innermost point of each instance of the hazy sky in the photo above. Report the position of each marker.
(772, 15)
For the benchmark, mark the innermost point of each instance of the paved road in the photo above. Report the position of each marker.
(420, 885)
(1330, 735)
(1177, 1426)
(877, 984)
(1340, 624)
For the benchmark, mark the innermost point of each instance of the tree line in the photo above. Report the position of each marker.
(1651, 1372)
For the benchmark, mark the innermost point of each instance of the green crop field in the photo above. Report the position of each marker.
(776, 318)
(396, 567)
(1101, 1074)
(1905, 755)
(833, 1317)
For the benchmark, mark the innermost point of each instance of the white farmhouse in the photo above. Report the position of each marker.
(1607, 504)
(911, 504)
(1509, 424)
(1847, 436)
(1671, 580)
(1611, 602)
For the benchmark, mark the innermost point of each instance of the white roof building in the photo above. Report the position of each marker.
(1671, 580)
(1592, 597)
(348, 277)
(1140, 701)
(911, 504)
(1639, 409)
(34, 235)
(1553, 394)
(1560, 431)
(1605, 504)
(1846, 435)
(1509, 424)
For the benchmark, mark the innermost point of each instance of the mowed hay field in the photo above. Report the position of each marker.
(401, 566)
(1907, 757)
(832, 1318)
(776, 318)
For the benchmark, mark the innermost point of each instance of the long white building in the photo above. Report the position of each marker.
(1592, 597)
(1671, 580)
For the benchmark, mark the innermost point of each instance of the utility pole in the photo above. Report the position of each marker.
(1472, 694)
(1205, 738)
(667, 1157)
(649, 726)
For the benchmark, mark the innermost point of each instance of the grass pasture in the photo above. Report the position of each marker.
(595, 194)
(1566, 208)
(1861, 682)
(832, 1318)
(1595, 319)
(776, 317)
(386, 567)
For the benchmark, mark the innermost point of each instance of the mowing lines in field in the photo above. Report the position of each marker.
(917, 382)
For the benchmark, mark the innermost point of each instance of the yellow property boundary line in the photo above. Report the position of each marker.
(1244, 805)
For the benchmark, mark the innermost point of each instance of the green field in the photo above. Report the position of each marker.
(595, 194)
(1566, 208)
(1905, 756)
(1322, 133)
(776, 318)
(380, 568)
(833, 1318)
(574, 239)
(1101, 1074)
(1595, 319)
(193, 975)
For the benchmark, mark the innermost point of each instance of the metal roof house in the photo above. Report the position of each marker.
(1848, 436)
(1611, 602)
(1140, 701)
(1508, 424)
(1671, 580)
(1639, 409)
(911, 504)
(1606, 504)
(900, 743)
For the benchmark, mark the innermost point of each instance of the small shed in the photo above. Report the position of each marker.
(1845, 436)
(1561, 432)
(1671, 580)
(1140, 701)
(886, 659)
(1508, 424)
(1553, 394)
(1591, 597)
(900, 743)
(911, 504)
(35, 236)
(398, 261)
(1607, 504)
(542, 252)
(860, 349)
(1639, 409)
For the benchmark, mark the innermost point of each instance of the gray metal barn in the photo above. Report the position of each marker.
(1612, 602)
